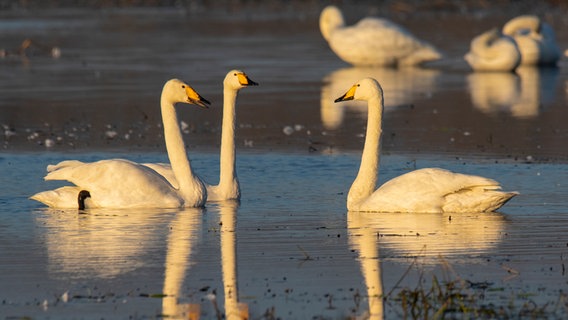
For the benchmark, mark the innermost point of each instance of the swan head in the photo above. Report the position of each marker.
(237, 79)
(331, 19)
(176, 91)
(365, 89)
(83, 195)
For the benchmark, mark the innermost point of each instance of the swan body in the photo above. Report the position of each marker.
(119, 183)
(228, 187)
(535, 38)
(425, 190)
(373, 41)
(492, 51)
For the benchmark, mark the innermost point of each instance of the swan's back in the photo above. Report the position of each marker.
(138, 186)
(492, 51)
(437, 190)
(379, 42)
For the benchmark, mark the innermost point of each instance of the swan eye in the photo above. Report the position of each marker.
(358, 85)
(183, 86)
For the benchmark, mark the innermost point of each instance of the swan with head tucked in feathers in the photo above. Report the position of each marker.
(120, 183)
(423, 190)
(493, 51)
(228, 187)
(535, 38)
(373, 41)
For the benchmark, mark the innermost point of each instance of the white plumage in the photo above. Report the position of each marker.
(424, 190)
(373, 41)
(119, 183)
(228, 187)
(535, 38)
(493, 51)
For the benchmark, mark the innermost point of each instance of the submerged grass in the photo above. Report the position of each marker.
(454, 298)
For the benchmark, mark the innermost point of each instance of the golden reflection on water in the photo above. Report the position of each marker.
(431, 235)
(183, 233)
(363, 239)
(108, 243)
(400, 86)
(520, 94)
(99, 244)
(426, 236)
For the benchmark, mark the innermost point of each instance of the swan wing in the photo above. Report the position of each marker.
(165, 170)
(435, 190)
(119, 183)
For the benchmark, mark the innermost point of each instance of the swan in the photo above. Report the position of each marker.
(373, 41)
(493, 51)
(424, 190)
(535, 38)
(228, 187)
(120, 183)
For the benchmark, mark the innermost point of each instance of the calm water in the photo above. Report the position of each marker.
(289, 249)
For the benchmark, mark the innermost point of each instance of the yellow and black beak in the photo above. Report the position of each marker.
(195, 98)
(349, 95)
(244, 80)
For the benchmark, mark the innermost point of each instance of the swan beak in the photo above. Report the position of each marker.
(349, 95)
(195, 98)
(244, 80)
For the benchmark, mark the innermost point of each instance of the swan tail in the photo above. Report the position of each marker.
(424, 54)
(478, 199)
(64, 197)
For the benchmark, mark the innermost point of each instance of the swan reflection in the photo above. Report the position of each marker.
(364, 240)
(101, 244)
(437, 234)
(401, 87)
(521, 95)
(184, 231)
(233, 308)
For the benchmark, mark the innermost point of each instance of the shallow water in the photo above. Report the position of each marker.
(290, 245)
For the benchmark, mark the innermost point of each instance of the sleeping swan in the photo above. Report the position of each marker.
(535, 38)
(119, 183)
(373, 41)
(228, 187)
(424, 190)
(493, 51)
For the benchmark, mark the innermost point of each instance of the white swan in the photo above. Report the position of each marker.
(119, 183)
(373, 41)
(228, 187)
(493, 51)
(424, 190)
(535, 38)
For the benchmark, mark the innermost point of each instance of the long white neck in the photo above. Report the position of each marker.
(228, 174)
(366, 181)
(176, 149)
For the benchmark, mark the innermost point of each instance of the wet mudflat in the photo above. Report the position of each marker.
(289, 249)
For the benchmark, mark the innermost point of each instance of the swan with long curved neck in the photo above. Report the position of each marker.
(119, 183)
(228, 187)
(373, 41)
(493, 51)
(423, 190)
(535, 38)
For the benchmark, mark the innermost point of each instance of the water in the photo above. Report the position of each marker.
(290, 248)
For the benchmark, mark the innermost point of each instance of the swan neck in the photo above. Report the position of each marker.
(176, 147)
(228, 157)
(366, 180)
